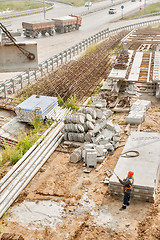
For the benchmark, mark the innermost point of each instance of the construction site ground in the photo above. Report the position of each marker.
(88, 211)
(98, 217)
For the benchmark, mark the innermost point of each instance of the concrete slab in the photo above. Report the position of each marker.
(146, 166)
(156, 67)
(134, 74)
(13, 129)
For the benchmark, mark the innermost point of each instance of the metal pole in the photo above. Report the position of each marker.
(44, 11)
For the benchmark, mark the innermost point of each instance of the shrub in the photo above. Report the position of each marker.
(60, 102)
(36, 123)
(72, 103)
(16, 155)
(6, 153)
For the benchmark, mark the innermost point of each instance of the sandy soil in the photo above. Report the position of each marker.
(89, 212)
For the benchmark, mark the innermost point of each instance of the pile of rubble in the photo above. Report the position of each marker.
(138, 111)
(121, 60)
(93, 127)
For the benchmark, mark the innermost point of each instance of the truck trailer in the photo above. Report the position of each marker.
(32, 29)
(67, 23)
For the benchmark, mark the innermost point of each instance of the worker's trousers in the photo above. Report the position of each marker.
(126, 199)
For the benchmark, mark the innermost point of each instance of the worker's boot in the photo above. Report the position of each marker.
(123, 207)
(128, 204)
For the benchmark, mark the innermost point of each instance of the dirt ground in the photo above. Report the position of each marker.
(89, 211)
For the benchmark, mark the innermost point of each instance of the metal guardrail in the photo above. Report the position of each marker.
(147, 15)
(16, 83)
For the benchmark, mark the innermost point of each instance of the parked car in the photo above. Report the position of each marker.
(88, 4)
(112, 11)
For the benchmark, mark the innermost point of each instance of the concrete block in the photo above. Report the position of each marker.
(99, 103)
(100, 159)
(116, 138)
(103, 124)
(89, 146)
(90, 125)
(88, 110)
(88, 117)
(75, 118)
(74, 128)
(108, 134)
(76, 156)
(110, 126)
(86, 151)
(99, 138)
(104, 142)
(77, 137)
(101, 150)
(99, 113)
(91, 159)
(135, 118)
(107, 112)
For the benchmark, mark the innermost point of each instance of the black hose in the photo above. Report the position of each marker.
(129, 154)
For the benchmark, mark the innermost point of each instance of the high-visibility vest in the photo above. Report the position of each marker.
(129, 186)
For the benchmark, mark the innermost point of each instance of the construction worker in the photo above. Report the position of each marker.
(127, 184)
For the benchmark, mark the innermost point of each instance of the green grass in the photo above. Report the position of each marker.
(70, 103)
(90, 49)
(20, 6)
(153, 8)
(78, 3)
(12, 154)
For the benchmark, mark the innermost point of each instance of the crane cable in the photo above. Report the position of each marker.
(28, 54)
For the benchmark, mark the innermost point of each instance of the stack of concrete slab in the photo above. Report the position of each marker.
(138, 111)
(145, 165)
(39, 105)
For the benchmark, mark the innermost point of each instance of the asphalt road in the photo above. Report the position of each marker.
(92, 22)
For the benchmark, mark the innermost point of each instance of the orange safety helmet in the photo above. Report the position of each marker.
(130, 173)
